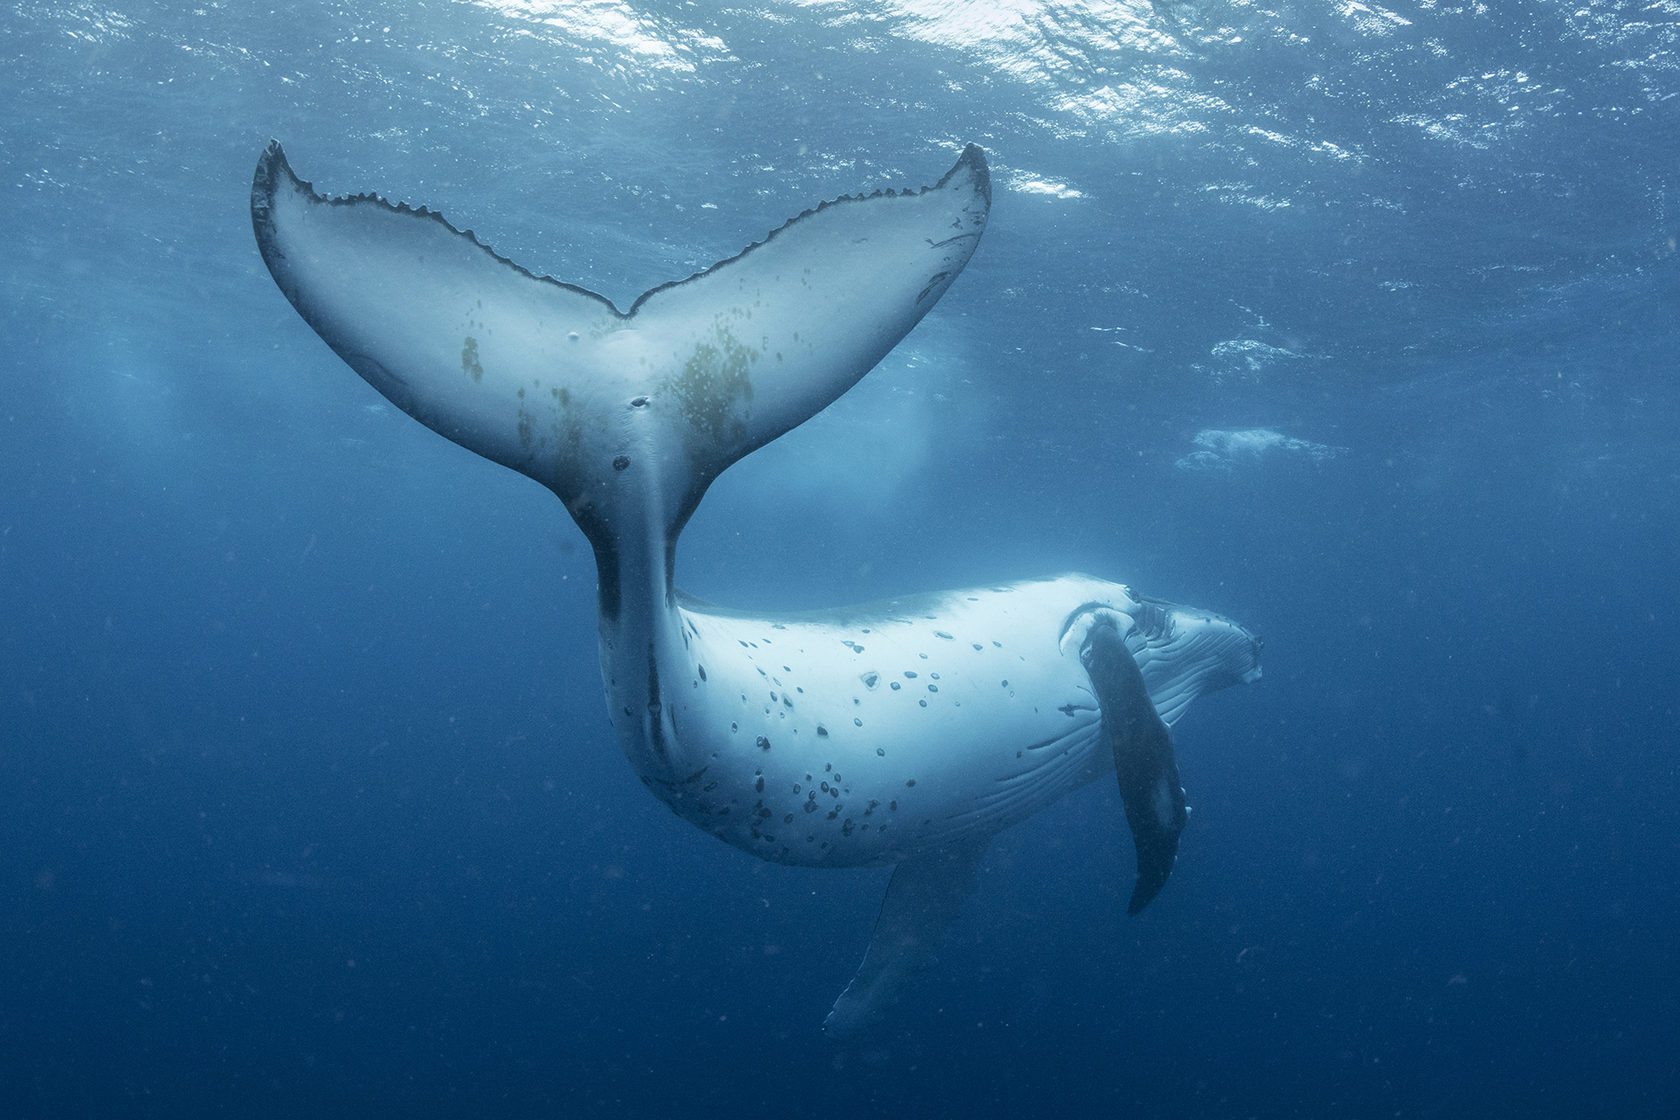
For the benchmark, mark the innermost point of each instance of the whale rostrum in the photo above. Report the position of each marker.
(906, 732)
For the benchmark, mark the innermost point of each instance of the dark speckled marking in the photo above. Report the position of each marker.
(763, 743)
(822, 732)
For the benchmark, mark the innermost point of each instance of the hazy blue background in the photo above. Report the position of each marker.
(308, 802)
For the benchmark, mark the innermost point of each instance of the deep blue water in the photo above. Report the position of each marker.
(308, 801)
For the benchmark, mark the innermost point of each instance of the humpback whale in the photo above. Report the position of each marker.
(903, 733)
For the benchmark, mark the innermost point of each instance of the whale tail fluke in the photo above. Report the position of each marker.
(626, 415)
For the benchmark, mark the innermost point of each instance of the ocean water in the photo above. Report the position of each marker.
(1355, 322)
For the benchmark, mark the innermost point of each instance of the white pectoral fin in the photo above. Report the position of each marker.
(922, 900)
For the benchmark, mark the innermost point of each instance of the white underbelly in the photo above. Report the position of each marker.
(860, 741)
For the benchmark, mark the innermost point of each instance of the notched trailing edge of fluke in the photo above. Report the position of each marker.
(272, 165)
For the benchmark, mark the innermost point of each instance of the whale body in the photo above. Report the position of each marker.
(907, 732)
